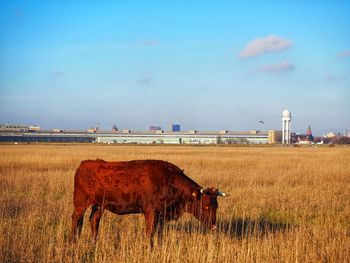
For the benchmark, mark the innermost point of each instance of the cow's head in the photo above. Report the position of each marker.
(205, 205)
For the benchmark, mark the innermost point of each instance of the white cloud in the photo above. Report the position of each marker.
(276, 68)
(263, 45)
(344, 54)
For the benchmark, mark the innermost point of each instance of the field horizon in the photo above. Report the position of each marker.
(285, 204)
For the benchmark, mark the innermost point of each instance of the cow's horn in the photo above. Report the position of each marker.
(202, 191)
(219, 193)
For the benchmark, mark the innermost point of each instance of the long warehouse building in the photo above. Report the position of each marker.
(141, 137)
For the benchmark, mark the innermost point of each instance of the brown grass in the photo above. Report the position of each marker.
(285, 205)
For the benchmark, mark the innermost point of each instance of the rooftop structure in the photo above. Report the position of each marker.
(114, 128)
(174, 127)
(155, 128)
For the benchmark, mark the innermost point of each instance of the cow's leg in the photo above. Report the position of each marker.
(151, 217)
(94, 208)
(95, 217)
(77, 222)
(80, 205)
(161, 223)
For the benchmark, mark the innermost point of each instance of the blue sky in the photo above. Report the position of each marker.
(207, 65)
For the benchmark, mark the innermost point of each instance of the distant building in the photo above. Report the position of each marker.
(13, 127)
(346, 133)
(155, 128)
(307, 138)
(330, 135)
(174, 127)
(94, 129)
(142, 137)
(189, 137)
(274, 137)
(34, 128)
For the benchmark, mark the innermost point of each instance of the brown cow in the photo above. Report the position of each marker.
(158, 189)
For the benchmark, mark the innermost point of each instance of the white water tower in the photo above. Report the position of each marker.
(286, 118)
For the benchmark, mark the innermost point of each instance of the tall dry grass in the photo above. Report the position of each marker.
(285, 205)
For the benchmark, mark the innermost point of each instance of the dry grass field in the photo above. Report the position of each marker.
(285, 205)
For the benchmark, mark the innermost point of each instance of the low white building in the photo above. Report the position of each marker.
(185, 138)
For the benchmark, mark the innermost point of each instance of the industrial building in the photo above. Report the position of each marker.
(191, 137)
(21, 134)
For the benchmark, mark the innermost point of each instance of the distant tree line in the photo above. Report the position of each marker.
(333, 140)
